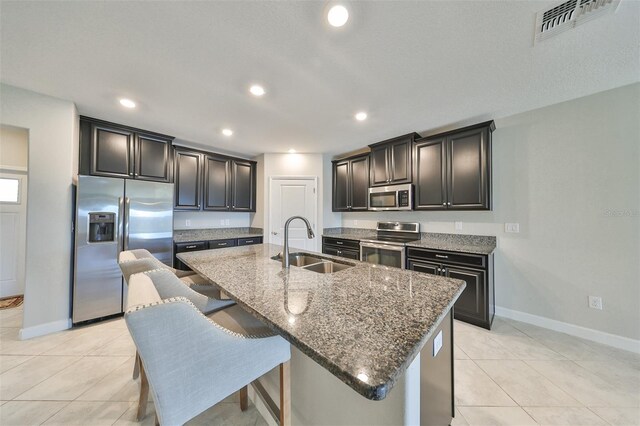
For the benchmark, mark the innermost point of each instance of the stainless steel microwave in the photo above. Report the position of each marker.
(392, 197)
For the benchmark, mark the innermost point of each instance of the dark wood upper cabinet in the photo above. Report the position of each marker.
(360, 183)
(217, 183)
(113, 150)
(430, 179)
(391, 161)
(153, 158)
(243, 186)
(351, 184)
(228, 184)
(452, 170)
(188, 179)
(341, 186)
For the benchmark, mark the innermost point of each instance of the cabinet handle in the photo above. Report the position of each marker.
(444, 204)
(222, 244)
(189, 247)
(339, 242)
(339, 251)
(441, 256)
(449, 203)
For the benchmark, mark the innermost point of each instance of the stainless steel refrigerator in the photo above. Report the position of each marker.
(114, 215)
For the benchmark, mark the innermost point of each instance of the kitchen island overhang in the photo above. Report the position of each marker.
(365, 325)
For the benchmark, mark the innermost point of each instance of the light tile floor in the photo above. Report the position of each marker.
(515, 374)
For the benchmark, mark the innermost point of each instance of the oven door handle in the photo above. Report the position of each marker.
(383, 246)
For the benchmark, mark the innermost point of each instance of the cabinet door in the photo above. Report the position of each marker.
(468, 170)
(112, 152)
(153, 159)
(217, 183)
(341, 186)
(243, 184)
(430, 180)
(426, 267)
(359, 183)
(188, 178)
(400, 162)
(379, 166)
(472, 304)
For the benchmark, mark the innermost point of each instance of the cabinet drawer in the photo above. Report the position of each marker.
(249, 241)
(335, 251)
(222, 243)
(350, 244)
(198, 245)
(447, 257)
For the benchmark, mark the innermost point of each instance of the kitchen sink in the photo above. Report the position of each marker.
(313, 263)
(327, 267)
(299, 259)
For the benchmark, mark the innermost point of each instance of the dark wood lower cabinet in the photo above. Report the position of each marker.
(476, 304)
(349, 249)
(212, 244)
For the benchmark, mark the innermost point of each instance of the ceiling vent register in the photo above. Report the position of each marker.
(569, 14)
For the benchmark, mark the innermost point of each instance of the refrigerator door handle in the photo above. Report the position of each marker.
(127, 209)
(120, 226)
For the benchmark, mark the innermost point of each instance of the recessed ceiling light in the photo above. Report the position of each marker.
(227, 132)
(127, 103)
(361, 116)
(338, 15)
(257, 90)
(292, 151)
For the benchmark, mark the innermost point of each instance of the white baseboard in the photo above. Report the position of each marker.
(609, 339)
(46, 328)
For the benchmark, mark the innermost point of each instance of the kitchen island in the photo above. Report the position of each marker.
(371, 345)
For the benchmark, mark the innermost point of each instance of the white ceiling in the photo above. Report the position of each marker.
(413, 66)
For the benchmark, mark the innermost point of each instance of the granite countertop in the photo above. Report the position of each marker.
(364, 324)
(476, 244)
(191, 235)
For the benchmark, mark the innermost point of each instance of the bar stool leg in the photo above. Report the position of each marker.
(144, 394)
(244, 399)
(136, 366)
(285, 394)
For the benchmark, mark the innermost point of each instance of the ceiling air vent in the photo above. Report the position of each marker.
(568, 14)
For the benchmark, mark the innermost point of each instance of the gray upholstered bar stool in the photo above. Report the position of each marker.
(148, 262)
(137, 261)
(191, 361)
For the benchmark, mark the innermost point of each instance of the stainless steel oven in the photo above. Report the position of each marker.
(383, 254)
(388, 249)
(392, 197)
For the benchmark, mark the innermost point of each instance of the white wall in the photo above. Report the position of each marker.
(52, 125)
(570, 175)
(13, 147)
(200, 220)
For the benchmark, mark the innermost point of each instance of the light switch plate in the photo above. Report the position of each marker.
(187, 222)
(458, 226)
(512, 227)
(437, 343)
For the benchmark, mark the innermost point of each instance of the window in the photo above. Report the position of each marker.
(9, 190)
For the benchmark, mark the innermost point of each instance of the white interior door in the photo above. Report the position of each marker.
(13, 227)
(293, 197)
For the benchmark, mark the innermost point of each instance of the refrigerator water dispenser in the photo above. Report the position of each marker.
(102, 227)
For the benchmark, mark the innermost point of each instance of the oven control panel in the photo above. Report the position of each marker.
(403, 198)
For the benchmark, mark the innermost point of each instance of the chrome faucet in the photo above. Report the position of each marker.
(285, 252)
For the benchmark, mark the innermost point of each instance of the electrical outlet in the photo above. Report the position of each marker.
(512, 227)
(458, 226)
(595, 302)
(226, 222)
(437, 343)
(222, 222)
(187, 222)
